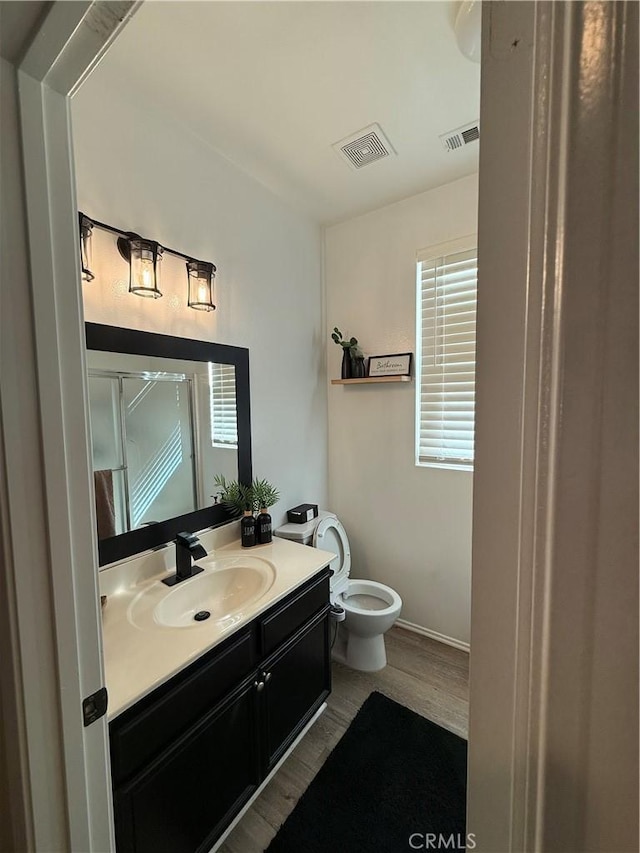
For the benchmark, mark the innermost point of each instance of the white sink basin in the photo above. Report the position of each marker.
(225, 588)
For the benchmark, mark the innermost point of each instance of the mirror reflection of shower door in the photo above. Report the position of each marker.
(159, 448)
(108, 455)
(143, 447)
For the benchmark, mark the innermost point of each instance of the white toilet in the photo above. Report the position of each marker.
(370, 608)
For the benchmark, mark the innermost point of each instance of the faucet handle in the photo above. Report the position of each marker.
(188, 548)
(193, 545)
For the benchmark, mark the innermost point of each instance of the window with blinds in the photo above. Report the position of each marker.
(447, 290)
(222, 404)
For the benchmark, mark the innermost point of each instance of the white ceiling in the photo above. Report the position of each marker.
(272, 85)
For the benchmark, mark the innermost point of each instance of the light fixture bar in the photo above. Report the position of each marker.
(145, 264)
(128, 235)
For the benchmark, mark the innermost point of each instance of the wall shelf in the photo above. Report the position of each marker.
(370, 379)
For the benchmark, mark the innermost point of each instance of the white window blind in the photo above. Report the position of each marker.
(447, 290)
(222, 403)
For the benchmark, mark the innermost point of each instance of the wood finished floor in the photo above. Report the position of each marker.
(426, 676)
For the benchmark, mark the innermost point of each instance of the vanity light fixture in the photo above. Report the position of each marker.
(145, 265)
(86, 247)
(200, 275)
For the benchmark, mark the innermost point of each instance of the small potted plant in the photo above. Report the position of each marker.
(244, 500)
(265, 496)
(239, 500)
(352, 358)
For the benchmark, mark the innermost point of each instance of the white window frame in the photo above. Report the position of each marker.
(462, 244)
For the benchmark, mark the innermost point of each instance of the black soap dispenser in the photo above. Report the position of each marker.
(263, 527)
(248, 529)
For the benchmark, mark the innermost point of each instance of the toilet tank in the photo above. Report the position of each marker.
(302, 533)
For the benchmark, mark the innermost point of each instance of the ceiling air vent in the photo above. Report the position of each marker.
(465, 135)
(364, 147)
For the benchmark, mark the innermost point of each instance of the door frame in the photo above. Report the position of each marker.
(51, 605)
(555, 550)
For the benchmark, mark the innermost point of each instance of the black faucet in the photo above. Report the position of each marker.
(188, 548)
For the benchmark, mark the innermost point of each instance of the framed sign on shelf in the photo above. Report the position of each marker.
(397, 364)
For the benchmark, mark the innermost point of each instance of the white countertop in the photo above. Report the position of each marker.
(140, 654)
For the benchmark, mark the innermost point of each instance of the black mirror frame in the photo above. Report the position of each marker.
(115, 339)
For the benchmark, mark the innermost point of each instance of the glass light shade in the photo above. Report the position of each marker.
(145, 263)
(201, 275)
(86, 248)
(467, 29)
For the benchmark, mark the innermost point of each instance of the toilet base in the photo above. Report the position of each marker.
(366, 654)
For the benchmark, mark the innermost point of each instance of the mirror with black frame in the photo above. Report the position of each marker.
(167, 415)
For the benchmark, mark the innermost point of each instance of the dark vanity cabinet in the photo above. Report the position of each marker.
(188, 757)
(297, 674)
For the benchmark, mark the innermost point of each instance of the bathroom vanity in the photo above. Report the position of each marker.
(212, 681)
(189, 754)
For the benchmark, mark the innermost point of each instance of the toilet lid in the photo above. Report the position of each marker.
(330, 535)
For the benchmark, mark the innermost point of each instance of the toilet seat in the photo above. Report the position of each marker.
(330, 535)
(366, 609)
(354, 599)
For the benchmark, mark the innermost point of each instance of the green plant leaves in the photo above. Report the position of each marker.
(336, 337)
(239, 497)
(235, 496)
(264, 494)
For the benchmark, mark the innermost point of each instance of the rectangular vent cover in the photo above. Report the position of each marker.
(457, 139)
(364, 147)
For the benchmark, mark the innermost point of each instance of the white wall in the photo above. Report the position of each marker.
(409, 527)
(142, 171)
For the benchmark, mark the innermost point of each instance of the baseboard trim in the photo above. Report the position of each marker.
(433, 635)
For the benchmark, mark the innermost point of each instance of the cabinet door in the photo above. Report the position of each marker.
(184, 800)
(154, 723)
(297, 679)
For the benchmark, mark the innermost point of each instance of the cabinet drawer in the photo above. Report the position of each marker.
(289, 615)
(139, 734)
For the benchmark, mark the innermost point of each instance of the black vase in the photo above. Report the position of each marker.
(346, 363)
(357, 367)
